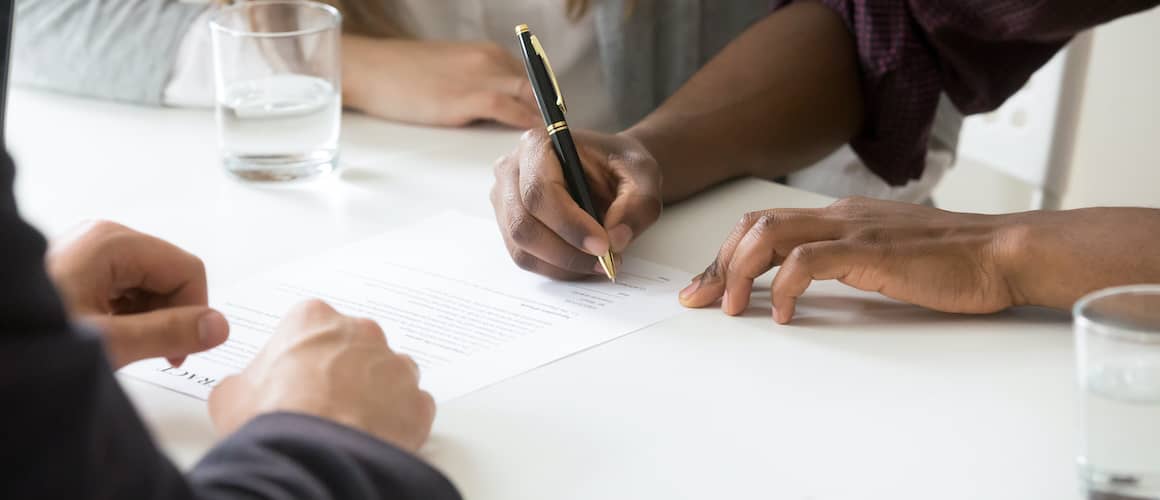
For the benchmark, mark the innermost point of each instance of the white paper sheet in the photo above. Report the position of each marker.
(445, 292)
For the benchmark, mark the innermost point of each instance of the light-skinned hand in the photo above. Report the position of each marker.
(545, 231)
(437, 83)
(146, 296)
(339, 368)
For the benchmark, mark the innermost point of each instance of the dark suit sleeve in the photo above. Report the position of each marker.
(68, 431)
(280, 456)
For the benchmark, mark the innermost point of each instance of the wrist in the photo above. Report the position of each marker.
(680, 158)
(354, 49)
(1017, 256)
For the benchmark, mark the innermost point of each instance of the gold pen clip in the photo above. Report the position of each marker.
(551, 74)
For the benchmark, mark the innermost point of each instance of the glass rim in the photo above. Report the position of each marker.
(216, 25)
(1122, 332)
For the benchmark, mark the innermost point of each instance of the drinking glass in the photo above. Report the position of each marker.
(277, 74)
(1117, 340)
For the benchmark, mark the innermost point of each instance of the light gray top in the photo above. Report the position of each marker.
(111, 49)
(126, 49)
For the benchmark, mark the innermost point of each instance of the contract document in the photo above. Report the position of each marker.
(445, 292)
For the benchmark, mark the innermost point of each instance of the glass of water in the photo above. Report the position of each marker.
(1117, 339)
(278, 78)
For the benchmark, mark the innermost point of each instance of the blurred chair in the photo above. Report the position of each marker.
(1030, 137)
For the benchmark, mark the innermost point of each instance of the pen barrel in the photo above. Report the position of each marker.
(552, 109)
(574, 177)
(541, 81)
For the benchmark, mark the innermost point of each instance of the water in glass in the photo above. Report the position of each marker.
(279, 127)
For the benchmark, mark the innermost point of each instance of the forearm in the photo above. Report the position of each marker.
(780, 97)
(1057, 257)
(355, 86)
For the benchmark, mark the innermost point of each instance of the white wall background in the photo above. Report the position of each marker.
(1116, 160)
(1116, 154)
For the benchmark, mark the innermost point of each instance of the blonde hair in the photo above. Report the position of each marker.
(380, 18)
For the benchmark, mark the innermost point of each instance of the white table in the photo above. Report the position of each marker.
(861, 398)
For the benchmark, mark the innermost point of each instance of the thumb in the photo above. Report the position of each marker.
(172, 333)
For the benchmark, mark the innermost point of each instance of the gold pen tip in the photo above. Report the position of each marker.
(608, 262)
(521, 28)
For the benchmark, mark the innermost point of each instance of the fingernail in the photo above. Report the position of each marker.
(781, 318)
(725, 302)
(212, 328)
(619, 237)
(595, 246)
(692, 288)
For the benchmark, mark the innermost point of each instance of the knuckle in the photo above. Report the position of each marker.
(870, 236)
(651, 208)
(749, 219)
(368, 328)
(492, 50)
(197, 265)
(764, 224)
(398, 368)
(409, 368)
(713, 270)
(532, 194)
(103, 226)
(502, 165)
(534, 136)
(849, 202)
(314, 308)
(802, 256)
(523, 230)
(525, 260)
(646, 164)
(482, 56)
(427, 406)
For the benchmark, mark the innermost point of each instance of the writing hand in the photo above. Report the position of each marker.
(545, 231)
(147, 297)
(340, 368)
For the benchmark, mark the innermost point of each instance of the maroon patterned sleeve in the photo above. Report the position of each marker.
(978, 52)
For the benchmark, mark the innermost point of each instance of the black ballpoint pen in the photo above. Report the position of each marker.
(552, 107)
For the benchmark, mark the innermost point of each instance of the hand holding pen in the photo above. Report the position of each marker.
(546, 226)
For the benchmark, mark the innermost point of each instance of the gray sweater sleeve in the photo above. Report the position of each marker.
(111, 49)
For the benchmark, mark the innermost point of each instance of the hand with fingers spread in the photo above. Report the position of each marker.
(545, 231)
(437, 83)
(331, 366)
(947, 261)
(146, 296)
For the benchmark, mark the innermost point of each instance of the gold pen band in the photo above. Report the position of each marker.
(523, 28)
(556, 127)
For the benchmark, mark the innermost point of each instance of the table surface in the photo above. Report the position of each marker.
(860, 398)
